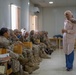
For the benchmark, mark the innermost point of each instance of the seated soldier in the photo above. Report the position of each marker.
(19, 35)
(26, 37)
(33, 39)
(44, 39)
(4, 43)
(25, 58)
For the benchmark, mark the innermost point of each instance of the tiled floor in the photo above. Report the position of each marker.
(55, 65)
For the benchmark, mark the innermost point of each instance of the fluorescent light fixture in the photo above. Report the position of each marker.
(50, 2)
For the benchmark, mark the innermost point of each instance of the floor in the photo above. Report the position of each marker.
(55, 65)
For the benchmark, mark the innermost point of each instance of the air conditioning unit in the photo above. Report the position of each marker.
(36, 10)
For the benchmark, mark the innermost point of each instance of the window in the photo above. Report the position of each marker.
(15, 17)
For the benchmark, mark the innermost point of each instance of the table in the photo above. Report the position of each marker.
(54, 41)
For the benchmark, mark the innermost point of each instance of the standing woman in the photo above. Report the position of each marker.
(69, 39)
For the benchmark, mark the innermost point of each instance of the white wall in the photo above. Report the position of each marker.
(41, 19)
(25, 14)
(52, 19)
(5, 12)
(31, 14)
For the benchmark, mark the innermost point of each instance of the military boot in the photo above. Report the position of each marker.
(25, 73)
(28, 69)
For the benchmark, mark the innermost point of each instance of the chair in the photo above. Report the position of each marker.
(18, 49)
(28, 45)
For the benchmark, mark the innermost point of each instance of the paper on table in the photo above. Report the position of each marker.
(2, 69)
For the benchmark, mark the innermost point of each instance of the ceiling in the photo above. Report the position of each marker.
(56, 3)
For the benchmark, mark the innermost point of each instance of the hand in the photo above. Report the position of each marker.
(64, 31)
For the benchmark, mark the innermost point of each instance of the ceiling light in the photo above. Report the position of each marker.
(51, 2)
(28, 3)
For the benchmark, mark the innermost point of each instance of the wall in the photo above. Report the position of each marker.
(41, 19)
(5, 12)
(31, 14)
(25, 14)
(53, 19)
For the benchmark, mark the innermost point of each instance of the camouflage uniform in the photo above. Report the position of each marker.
(49, 47)
(23, 59)
(19, 35)
(36, 54)
(15, 63)
(30, 66)
(27, 60)
(33, 38)
(26, 37)
(16, 58)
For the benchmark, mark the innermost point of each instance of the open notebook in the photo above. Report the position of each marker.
(4, 55)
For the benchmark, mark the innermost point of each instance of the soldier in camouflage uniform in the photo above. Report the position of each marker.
(26, 37)
(30, 65)
(19, 35)
(26, 60)
(34, 37)
(4, 43)
(49, 47)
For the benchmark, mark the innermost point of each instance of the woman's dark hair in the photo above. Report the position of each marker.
(3, 30)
